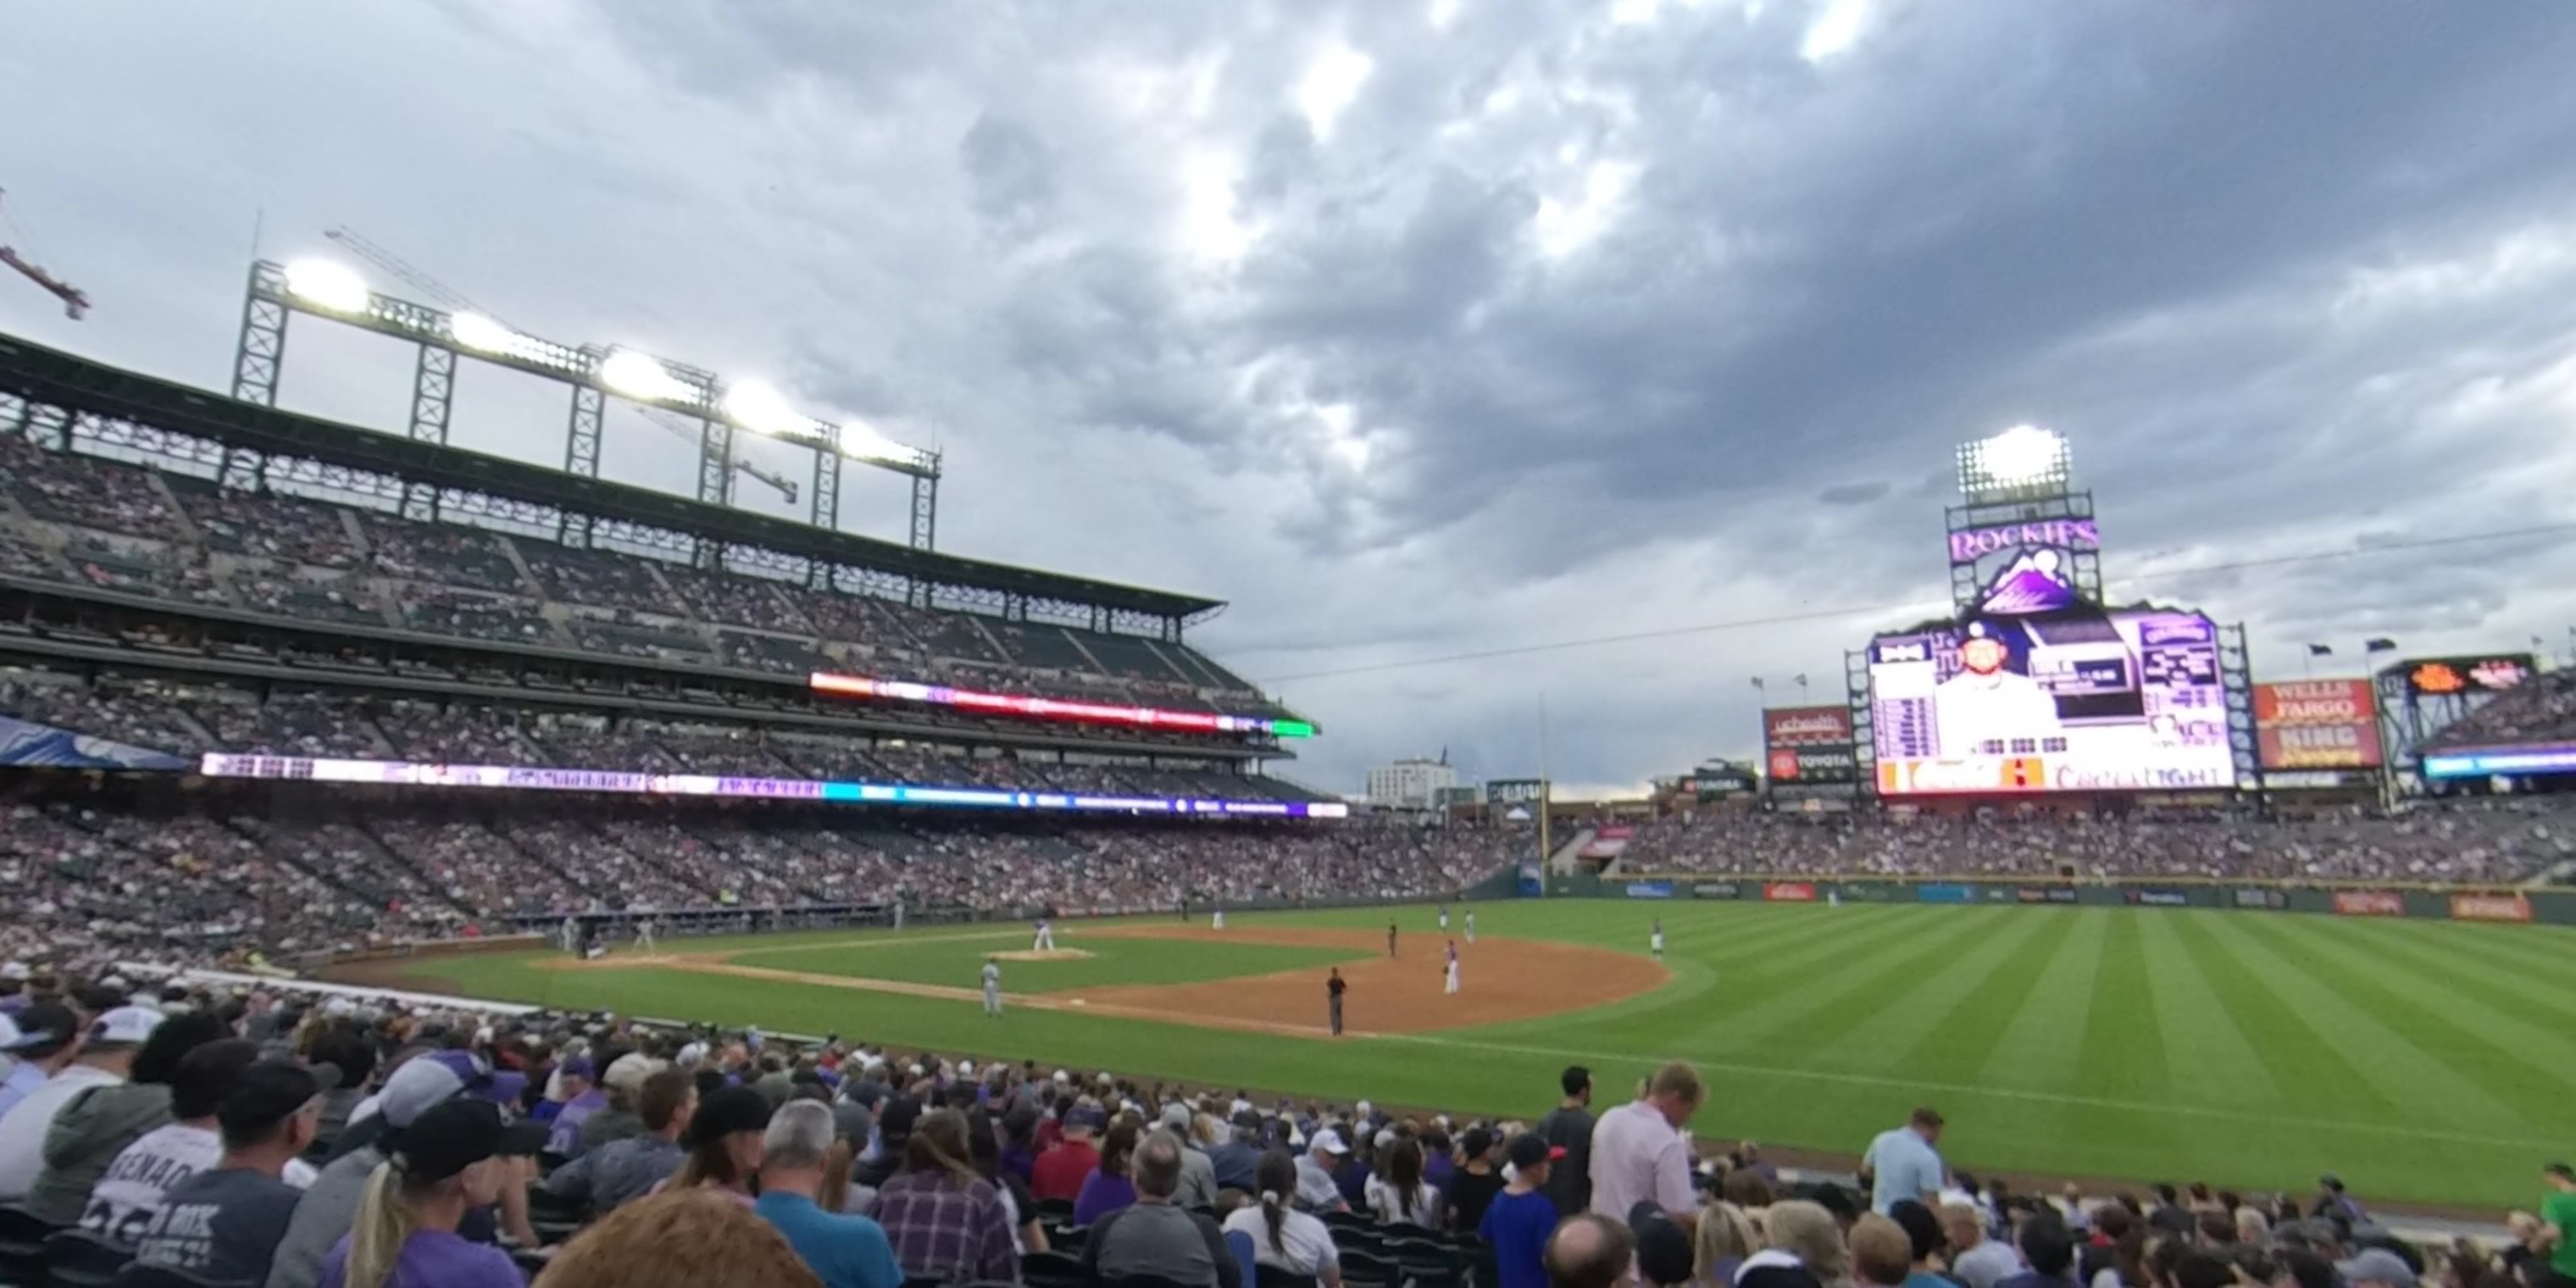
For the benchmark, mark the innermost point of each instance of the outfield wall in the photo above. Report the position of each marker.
(2552, 906)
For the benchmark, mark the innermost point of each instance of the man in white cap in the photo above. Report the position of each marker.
(1198, 1172)
(102, 1056)
(38, 1042)
(1317, 1191)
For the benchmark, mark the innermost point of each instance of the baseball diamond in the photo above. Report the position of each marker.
(2419, 1059)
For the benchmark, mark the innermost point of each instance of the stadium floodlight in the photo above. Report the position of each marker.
(2024, 458)
(762, 410)
(641, 378)
(326, 285)
(483, 335)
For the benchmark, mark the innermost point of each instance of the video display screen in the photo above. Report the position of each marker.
(2076, 700)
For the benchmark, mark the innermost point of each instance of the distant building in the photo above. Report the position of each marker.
(1411, 784)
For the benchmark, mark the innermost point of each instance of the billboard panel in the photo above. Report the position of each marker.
(2080, 700)
(1809, 745)
(1514, 791)
(2444, 676)
(2317, 724)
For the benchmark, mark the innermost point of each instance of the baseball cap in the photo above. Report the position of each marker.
(43, 1029)
(1177, 1116)
(1478, 1142)
(1663, 1251)
(1529, 1149)
(895, 1121)
(426, 1081)
(1086, 1118)
(2377, 1266)
(124, 1026)
(2560, 1169)
(456, 1134)
(1329, 1141)
(728, 1110)
(15, 971)
(264, 1095)
(580, 1066)
(628, 1072)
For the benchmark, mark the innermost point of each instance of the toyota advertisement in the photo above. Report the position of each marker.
(2077, 700)
(1809, 745)
(2316, 724)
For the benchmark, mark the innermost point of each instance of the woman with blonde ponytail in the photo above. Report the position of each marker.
(1282, 1236)
(446, 1163)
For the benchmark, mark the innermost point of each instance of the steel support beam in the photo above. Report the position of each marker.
(261, 350)
(433, 387)
(581, 455)
(826, 492)
(925, 511)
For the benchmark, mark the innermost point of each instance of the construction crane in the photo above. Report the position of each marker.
(680, 426)
(74, 302)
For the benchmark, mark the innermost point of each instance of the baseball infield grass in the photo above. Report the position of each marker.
(2431, 1062)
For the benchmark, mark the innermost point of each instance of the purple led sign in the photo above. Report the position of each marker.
(2065, 534)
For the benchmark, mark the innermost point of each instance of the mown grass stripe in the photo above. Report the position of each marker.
(2197, 1027)
(1784, 995)
(1926, 1012)
(2388, 1060)
(2517, 989)
(2520, 1063)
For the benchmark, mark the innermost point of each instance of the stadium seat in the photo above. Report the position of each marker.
(1240, 1244)
(1274, 1277)
(22, 1246)
(1052, 1269)
(1428, 1263)
(79, 1259)
(1055, 1210)
(138, 1275)
(1366, 1267)
(1140, 1281)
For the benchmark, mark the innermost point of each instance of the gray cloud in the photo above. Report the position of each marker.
(1549, 326)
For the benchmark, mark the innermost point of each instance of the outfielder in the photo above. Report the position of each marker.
(1046, 937)
(1471, 925)
(992, 986)
(1657, 940)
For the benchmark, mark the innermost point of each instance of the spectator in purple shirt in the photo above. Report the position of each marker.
(580, 1100)
(1108, 1188)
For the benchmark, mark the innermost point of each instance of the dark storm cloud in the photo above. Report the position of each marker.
(1431, 328)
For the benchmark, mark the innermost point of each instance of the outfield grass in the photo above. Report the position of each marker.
(2424, 1061)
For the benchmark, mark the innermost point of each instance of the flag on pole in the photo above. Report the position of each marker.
(1802, 680)
(2382, 644)
(2321, 650)
(1757, 681)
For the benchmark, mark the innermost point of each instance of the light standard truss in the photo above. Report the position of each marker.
(329, 290)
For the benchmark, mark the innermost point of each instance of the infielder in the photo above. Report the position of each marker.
(1220, 918)
(1046, 937)
(644, 935)
(1444, 919)
(992, 986)
(1333, 988)
(1449, 980)
(571, 935)
(1657, 941)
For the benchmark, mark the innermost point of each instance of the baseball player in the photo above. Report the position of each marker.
(1444, 919)
(1471, 925)
(1046, 937)
(570, 934)
(1219, 922)
(1657, 940)
(1449, 976)
(992, 986)
(644, 934)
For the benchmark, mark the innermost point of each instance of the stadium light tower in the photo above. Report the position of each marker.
(2019, 497)
(682, 394)
(2024, 460)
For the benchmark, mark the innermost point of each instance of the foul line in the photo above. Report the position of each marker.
(881, 941)
(1971, 1089)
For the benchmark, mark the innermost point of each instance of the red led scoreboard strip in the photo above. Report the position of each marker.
(1012, 704)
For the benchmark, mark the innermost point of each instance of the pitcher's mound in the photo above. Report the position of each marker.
(1043, 955)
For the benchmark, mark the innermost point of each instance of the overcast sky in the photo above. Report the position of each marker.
(1419, 327)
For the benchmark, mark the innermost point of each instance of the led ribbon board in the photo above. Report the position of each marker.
(525, 778)
(1012, 704)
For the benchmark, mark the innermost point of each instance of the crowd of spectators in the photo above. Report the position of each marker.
(287, 1137)
(2481, 842)
(2540, 709)
(124, 534)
